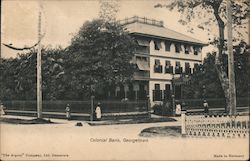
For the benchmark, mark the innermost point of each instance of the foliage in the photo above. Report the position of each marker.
(163, 110)
(209, 14)
(18, 75)
(205, 80)
(214, 13)
(99, 54)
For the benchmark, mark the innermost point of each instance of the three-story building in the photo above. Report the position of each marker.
(162, 55)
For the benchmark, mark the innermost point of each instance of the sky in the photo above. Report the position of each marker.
(62, 19)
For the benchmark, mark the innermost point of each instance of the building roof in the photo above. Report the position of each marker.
(153, 28)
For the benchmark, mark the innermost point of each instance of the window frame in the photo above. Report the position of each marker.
(167, 45)
(157, 45)
(178, 48)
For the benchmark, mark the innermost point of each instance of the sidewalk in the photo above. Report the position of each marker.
(153, 119)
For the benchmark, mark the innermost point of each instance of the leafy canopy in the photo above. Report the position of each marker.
(210, 14)
(100, 53)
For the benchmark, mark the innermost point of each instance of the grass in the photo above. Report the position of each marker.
(165, 131)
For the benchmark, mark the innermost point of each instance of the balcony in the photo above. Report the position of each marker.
(141, 75)
(158, 68)
(169, 69)
(178, 70)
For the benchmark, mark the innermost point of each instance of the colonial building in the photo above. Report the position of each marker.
(162, 55)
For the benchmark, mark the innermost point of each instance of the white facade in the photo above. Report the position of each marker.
(159, 45)
(162, 55)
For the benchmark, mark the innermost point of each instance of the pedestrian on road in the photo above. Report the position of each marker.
(2, 108)
(178, 108)
(205, 105)
(98, 112)
(68, 112)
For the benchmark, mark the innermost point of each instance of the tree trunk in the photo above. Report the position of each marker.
(223, 77)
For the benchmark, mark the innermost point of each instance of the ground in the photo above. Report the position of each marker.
(62, 140)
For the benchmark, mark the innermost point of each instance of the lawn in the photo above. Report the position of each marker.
(164, 131)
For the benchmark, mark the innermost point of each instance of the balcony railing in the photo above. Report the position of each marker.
(169, 69)
(178, 70)
(141, 20)
(158, 69)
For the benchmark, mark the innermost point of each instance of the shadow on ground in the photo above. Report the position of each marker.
(24, 121)
(164, 131)
(131, 121)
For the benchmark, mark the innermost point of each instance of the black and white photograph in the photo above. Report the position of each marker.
(124, 80)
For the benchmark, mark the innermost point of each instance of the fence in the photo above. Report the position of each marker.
(215, 102)
(215, 126)
(49, 106)
(109, 108)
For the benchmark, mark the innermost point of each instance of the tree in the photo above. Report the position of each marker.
(214, 12)
(99, 55)
(18, 75)
(205, 75)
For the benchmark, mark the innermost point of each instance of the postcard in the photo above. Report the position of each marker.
(124, 80)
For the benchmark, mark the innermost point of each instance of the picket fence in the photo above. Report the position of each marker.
(215, 126)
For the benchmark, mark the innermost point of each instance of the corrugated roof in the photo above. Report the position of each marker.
(161, 32)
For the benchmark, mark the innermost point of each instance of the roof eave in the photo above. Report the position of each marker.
(166, 38)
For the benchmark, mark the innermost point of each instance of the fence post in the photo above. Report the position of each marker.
(183, 122)
(92, 108)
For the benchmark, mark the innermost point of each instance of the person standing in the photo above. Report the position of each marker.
(178, 109)
(205, 105)
(2, 108)
(68, 112)
(98, 112)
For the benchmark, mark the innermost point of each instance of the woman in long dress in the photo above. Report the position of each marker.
(2, 109)
(67, 110)
(98, 112)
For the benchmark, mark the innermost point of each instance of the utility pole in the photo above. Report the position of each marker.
(39, 71)
(231, 75)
